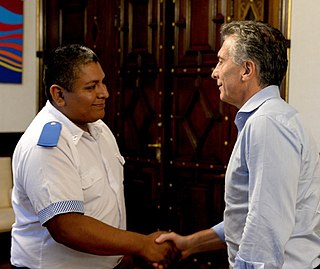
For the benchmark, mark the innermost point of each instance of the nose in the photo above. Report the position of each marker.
(103, 91)
(214, 73)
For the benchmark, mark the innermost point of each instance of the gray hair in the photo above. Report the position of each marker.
(260, 43)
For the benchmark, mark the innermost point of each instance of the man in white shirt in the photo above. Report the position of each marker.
(68, 177)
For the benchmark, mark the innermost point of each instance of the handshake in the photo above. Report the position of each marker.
(162, 249)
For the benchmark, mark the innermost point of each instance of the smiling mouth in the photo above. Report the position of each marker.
(100, 105)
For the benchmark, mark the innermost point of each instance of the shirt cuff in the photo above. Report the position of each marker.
(219, 230)
(60, 208)
(242, 264)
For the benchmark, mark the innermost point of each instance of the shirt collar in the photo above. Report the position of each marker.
(75, 131)
(254, 103)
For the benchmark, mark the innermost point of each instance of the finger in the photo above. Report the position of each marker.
(157, 265)
(172, 256)
(175, 254)
(164, 237)
(174, 250)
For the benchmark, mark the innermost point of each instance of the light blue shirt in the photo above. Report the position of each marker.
(272, 195)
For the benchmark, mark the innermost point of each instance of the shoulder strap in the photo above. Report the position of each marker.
(50, 134)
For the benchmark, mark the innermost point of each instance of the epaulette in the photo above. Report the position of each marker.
(50, 134)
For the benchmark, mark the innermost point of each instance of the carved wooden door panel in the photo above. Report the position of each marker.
(173, 130)
(139, 122)
(201, 126)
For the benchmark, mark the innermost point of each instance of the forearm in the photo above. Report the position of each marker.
(89, 235)
(204, 241)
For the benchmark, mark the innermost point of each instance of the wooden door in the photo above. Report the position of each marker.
(175, 133)
(164, 108)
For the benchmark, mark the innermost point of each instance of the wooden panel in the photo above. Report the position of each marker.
(194, 32)
(273, 10)
(142, 198)
(200, 124)
(201, 131)
(140, 102)
(72, 11)
(191, 204)
(250, 10)
(140, 99)
(140, 116)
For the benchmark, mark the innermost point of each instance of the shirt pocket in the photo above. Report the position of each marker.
(92, 182)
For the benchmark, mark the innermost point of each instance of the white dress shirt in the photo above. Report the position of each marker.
(83, 173)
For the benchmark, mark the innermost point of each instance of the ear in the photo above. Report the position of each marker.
(249, 70)
(57, 94)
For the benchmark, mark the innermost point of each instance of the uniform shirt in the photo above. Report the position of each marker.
(272, 215)
(83, 173)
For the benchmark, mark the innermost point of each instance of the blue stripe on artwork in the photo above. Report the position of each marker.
(12, 50)
(9, 76)
(6, 33)
(17, 41)
(9, 17)
(60, 208)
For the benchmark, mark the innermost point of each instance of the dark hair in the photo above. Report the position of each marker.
(261, 43)
(63, 65)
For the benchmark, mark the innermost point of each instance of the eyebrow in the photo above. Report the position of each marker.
(92, 81)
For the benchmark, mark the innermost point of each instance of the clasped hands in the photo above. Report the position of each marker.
(168, 248)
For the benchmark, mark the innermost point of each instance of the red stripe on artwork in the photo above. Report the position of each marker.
(19, 36)
(10, 27)
(12, 45)
(15, 6)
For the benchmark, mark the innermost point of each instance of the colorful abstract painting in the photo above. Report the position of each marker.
(11, 37)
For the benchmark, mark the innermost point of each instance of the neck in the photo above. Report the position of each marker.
(84, 127)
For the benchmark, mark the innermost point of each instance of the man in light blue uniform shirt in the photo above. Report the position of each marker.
(272, 193)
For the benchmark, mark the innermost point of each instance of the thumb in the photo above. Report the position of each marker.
(164, 237)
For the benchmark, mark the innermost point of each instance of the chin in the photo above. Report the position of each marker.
(100, 115)
(93, 119)
(222, 97)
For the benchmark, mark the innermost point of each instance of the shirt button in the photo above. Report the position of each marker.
(75, 137)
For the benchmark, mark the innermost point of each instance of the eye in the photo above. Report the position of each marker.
(91, 86)
(219, 63)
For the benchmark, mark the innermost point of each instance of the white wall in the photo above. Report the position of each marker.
(304, 72)
(18, 102)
